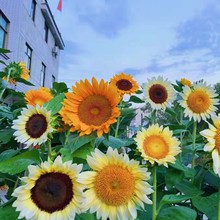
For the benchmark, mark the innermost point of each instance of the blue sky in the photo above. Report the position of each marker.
(143, 38)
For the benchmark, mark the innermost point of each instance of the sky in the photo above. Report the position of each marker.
(144, 38)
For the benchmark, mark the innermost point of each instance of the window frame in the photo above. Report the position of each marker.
(28, 53)
(43, 74)
(32, 11)
(4, 29)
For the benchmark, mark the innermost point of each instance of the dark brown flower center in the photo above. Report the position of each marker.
(124, 84)
(158, 93)
(36, 125)
(52, 192)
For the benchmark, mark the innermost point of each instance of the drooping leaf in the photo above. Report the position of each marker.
(8, 154)
(5, 135)
(135, 99)
(24, 81)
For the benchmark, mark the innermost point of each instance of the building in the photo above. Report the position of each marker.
(29, 31)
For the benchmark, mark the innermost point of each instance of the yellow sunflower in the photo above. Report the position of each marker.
(185, 82)
(124, 83)
(32, 126)
(16, 70)
(213, 137)
(157, 144)
(199, 101)
(115, 186)
(50, 191)
(38, 97)
(91, 107)
(24, 71)
(159, 93)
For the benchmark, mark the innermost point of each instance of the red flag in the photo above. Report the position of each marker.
(59, 6)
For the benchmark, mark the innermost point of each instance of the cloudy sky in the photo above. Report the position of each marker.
(144, 38)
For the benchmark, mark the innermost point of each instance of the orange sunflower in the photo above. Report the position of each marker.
(38, 97)
(125, 83)
(91, 107)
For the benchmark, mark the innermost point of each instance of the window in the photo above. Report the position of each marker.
(43, 74)
(53, 80)
(46, 29)
(32, 9)
(3, 30)
(28, 53)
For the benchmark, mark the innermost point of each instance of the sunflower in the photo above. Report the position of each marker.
(32, 126)
(199, 101)
(115, 186)
(124, 83)
(50, 191)
(185, 82)
(16, 70)
(213, 137)
(157, 144)
(159, 93)
(38, 97)
(91, 107)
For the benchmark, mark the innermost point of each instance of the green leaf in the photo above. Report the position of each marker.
(188, 188)
(59, 87)
(2, 50)
(5, 135)
(201, 203)
(173, 199)
(5, 112)
(20, 162)
(83, 151)
(114, 142)
(177, 213)
(171, 112)
(85, 216)
(79, 141)
(172, 177)
(55, 104)
(23, 81)
(8, 213)
(8, 154)
(135, 99)
(66, 154)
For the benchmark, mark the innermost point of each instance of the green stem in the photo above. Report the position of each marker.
(218, 218)
(153, 117)
(50, 156)
(194, 143)
(117, 127)
(67, 135)
(7, 80)
(154, 208)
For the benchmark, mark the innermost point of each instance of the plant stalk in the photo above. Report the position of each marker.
(154, 207)
(7, 80)
(194, 143)
(218, 215)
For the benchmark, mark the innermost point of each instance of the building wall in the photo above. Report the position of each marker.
(24, 30)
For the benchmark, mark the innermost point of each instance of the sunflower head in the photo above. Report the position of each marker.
(199, 101)
(38, 97)
(33, 126)
(50, 191)
(213, 142)
(159, 93)
(16, 70)
(91, 107)
(125, 83)
(115, 186)
(185, 82)
(157, 144)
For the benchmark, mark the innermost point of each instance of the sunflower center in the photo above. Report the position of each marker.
(217, 140)
(198, 101)
(36, 125)
(158, 93)
(114, 185)
(156, 147)
(52, 192)
(95, 110)
(124, 84)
